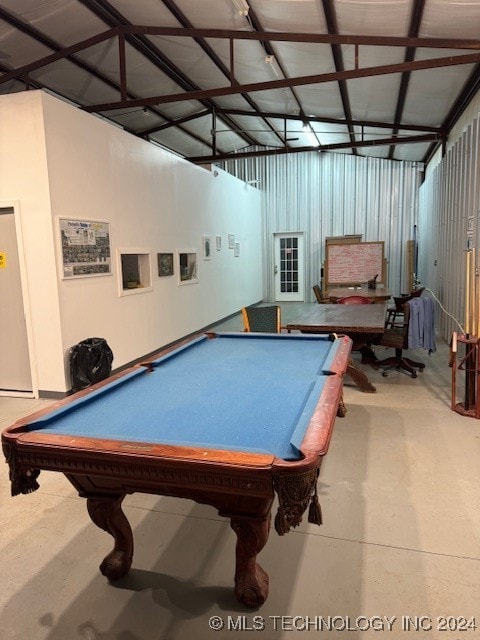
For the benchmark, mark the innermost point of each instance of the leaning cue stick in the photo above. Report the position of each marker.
(467, 292)
(473, 324)
(467, 331)
(472, 400)
(476, 298)
(475, 391)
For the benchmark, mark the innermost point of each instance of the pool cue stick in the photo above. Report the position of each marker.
(473, 324)
(477, 300)
(475, 320)
(467, 292)
(467, 331)
(472, 400)
(476, 297)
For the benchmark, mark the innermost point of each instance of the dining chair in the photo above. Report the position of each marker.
(318, 293)
(397, 310)
(262, 319)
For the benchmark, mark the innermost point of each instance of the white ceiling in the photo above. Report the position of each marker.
(327, 77)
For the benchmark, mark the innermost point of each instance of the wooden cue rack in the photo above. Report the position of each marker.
(470, 343)
(470, 364)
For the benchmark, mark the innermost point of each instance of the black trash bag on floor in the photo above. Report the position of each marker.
(90, 362)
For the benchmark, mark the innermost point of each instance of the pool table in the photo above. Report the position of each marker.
(225, 419)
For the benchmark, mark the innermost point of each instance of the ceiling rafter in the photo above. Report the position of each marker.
(413, 31)
(339, 121)
(118, 30)
(228, 73)
(416, 65)
(106, 12)
(312, 38)
(137, 36)
(327, 147)
(68, 54)
(174, 123)
(331, 21)
(270, 51)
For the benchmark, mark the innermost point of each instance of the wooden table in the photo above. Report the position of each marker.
(358, 321)
(377, 295)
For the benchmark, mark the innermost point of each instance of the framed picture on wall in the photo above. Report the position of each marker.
(165, 264)
(207, 247)
(231, 240)
(187, 266)
(218, 240)
(85, 246)
(236, 250)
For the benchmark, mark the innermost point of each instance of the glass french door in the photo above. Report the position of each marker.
(289, 267)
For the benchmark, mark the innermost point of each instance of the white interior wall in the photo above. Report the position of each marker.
(24, 181)
(154, 201)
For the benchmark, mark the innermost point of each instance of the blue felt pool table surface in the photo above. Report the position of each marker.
(242, 392)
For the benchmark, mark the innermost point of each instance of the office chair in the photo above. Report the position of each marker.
(396, 337)
(397, 310)
(354, 300)
(262, 319)
(318, 293)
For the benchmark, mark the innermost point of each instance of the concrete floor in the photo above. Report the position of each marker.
(400, 493)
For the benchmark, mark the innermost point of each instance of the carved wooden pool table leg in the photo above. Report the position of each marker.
(342, 409)
(359, 378)
(106, 512)
(251, 581)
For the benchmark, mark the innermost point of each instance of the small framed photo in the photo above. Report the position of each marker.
(218, 240)
(236, 251)
(165, 264)
(207, 247)
(231, 241)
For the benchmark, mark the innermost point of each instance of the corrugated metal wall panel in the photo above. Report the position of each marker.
(449, 208)
(331, 194)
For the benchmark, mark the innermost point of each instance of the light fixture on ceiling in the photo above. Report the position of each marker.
(273, 65)
(241, 7)
(312, 138)
(290, 99)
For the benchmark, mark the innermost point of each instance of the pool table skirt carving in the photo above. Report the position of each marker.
(241, 485)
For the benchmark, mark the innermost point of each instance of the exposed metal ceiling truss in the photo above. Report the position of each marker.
(121, 33)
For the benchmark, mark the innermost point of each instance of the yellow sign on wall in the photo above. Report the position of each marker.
(3, 260)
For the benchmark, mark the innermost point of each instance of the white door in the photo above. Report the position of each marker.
(15, 373)
(289, 267)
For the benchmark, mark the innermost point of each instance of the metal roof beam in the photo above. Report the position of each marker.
(67, 53)
(318, 38)
(228, 73)
(416, 65)
(331, 21)
(413, 31)
(326, 147)
(109, 14)
(357, 123)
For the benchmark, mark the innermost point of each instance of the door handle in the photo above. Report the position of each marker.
(275, 270)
